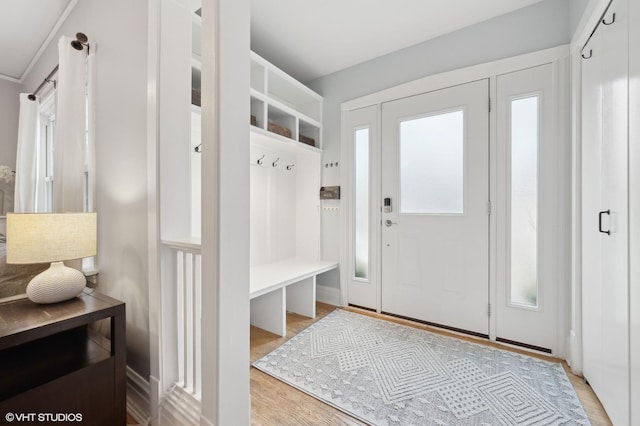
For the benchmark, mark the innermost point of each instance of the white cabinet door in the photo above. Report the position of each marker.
(435, 224)
(605, 215)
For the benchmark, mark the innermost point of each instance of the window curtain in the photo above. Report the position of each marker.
(27, 183)
(70, 155)
(91, 131)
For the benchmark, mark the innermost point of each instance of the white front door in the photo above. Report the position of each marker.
(435, 223)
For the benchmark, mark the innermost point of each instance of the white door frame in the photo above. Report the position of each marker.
(370, 119)
(553, 207)
(434, 82)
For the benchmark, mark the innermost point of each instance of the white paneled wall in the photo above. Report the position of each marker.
(196, 166)
(285, 205)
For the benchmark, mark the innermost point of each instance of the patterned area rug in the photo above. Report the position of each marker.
(389, 374)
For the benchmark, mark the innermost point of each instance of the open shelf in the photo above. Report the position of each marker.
(283, 105)
(65, 353)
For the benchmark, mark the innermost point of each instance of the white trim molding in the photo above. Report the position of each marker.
(459, 76)
(138, 397)
(328, 295)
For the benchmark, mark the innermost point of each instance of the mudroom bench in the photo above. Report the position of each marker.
(288, 285)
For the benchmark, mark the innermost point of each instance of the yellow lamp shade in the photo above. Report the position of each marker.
(50, 237)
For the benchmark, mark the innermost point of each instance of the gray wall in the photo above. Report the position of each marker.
(9, 113)
(540, 26)
(576, 9)
(119, 30)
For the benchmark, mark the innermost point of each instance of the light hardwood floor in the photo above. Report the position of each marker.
(275, 403)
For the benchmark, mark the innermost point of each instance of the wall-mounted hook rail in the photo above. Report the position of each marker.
(290, 166)
(275, 163)
(601, 21)
(613, 19)
(259, 162)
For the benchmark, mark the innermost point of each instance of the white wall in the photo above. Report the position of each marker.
(537, 27)
(119, 28)
(634, 206)
(9, 113)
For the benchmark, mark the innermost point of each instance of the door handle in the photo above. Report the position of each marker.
(388, 223)
(608, 232)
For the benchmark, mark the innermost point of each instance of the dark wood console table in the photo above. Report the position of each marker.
(53, 364)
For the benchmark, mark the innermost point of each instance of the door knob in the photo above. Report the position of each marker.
(389, 223)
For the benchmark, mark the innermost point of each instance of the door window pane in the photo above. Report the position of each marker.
(361, 198)
(524, 201)
(432, 164)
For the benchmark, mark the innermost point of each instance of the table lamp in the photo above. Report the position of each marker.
(51, 237)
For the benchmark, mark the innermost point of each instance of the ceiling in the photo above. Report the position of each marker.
(25, 26)
(307, 39)
(311, 38)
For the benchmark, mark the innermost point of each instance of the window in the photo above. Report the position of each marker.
(47, 150)
(47, 146)
(361, 201)
(524, 201)
(432, 164)
(46, 159)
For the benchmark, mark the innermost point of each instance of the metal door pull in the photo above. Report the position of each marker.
(600, 221)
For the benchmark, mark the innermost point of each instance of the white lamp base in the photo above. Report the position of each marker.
(56, 284)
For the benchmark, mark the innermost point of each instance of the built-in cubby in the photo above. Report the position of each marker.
(285, 159)
(284, 106)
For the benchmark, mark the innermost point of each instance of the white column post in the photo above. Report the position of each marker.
(225, 213)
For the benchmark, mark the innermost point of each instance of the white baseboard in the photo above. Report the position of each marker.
(138, 397)
(575, 354)
(206, 421)
(329, 295)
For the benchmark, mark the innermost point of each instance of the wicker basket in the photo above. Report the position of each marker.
(307, 140)
(195, 97)
(276, 128)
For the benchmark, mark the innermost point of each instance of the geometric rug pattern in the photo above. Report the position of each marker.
(384, 373)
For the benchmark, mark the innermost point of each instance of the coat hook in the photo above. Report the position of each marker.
(290, 166)
(275, 163)
(198, 148)
(613, 19)
(260, 160)
(590, 55)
